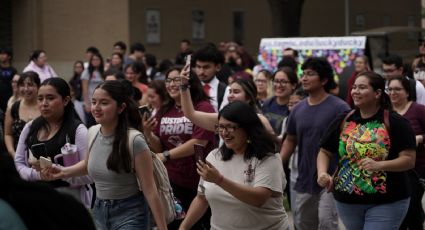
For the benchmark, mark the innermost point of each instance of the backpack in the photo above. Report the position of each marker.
(169, 205)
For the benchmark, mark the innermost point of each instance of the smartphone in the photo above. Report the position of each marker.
(45, 162)
(188, 59)
(39, 150)
(199, 152)
(144, 109)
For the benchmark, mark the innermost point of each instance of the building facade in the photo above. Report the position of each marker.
(66, 28)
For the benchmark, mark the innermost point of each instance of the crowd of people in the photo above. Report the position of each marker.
(266, 137)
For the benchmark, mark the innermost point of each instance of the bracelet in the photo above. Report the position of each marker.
(166, 154)
(184, 87)
(220, 180)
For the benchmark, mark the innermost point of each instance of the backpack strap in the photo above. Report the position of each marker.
(220, 93)
(92, 134)
(345, 119)
(387, 120)
(132, 134)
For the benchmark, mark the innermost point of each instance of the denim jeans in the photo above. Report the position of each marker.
(123, 214)
(373, 216)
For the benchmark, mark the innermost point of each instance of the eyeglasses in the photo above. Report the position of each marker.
(260, 81)
(176, 80)
(309, 73)
(227, 128)
(280, 82)
(394, 89)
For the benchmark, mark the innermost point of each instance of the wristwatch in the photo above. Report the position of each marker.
(166, 154)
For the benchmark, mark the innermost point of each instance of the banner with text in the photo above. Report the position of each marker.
(340, 51)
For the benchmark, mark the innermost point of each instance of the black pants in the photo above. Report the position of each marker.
(186, 197)
(415, 214)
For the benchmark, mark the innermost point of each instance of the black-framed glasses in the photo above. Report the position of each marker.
(228, 128)
(176, 80)
(281, 82)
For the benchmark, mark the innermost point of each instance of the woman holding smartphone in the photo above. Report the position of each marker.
(119, 202)
(243, 180)
(56, 126)
(173, 136)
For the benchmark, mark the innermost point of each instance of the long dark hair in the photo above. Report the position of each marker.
(91, 68)
(32, 76)
(35, 54)
(69, 114)
(140, 70)
(159, 87)
(196, 91)
(120, 158)
(250, 90)
(376, 81)
(260, 142)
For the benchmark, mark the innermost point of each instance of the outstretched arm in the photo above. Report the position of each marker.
(202, 119)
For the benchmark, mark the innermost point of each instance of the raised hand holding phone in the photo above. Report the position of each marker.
(185, 73)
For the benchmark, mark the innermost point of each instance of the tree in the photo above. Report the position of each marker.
(286, 17)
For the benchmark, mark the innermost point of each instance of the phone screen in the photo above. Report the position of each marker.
(144, 109)
(39, 150)
(199, 152)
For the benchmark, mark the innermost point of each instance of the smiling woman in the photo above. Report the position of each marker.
(375, 148)
(21, 111)
(401, 100)
(56, 127)
(242, 181)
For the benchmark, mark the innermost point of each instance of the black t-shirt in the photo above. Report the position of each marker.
(363, 138)
(54, 144)
(6, 75)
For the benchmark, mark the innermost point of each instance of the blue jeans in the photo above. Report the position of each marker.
(373, 216)
(123, 214)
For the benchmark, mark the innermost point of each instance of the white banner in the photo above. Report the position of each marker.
(315, 43)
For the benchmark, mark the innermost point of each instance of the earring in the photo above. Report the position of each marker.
(248, 141)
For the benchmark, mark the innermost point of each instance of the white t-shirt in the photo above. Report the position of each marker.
(230, 213)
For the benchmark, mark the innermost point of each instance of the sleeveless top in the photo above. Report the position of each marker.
(17, 124)
(54, 144)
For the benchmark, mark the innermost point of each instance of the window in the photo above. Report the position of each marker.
(153, 27)
(411, 23)
(360, 21)
(238, 26)
(387, 20)
(198, 25)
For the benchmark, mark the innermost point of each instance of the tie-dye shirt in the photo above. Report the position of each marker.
(361, 138)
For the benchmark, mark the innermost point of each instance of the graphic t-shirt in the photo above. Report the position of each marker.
(368, 138)
(174, 129)
(275, 113)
